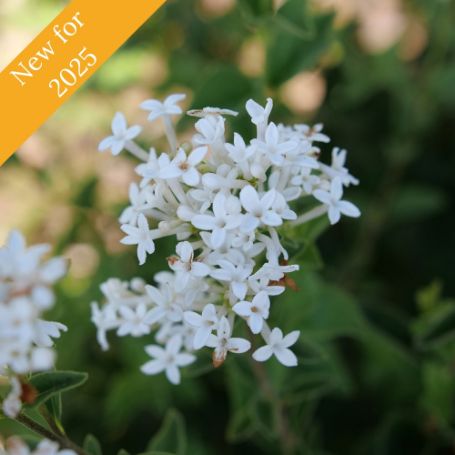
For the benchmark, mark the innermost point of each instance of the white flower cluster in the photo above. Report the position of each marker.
(14, 445)
(25, 293)
(225, 203)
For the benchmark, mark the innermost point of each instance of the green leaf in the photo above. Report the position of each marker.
(92, 446)
(428, 297)
(437, 327)
(54, 406)
(52, 383)
(319, 310)
(244, 399)
(86, 195)
(439, 392)
(310, 231)
(257, 8)
(123, 452)
(309, 258)
(236, 88)
(298, 41)
(171, 438)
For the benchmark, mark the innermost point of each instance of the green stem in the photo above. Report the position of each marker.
(63, 442)
(51, 422)
(288, 439)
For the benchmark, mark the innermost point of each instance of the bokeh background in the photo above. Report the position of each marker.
(375, 306)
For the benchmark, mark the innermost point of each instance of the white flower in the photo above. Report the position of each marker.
(210, 130)
(339, 169)
(140, 236)
(166, 308)
(121, 134)
(223, 343)
(12, 403)
(313, 133)
(186, 263)
(42, 359)
(226, 216)
(274, 148)
(185, 167)
(332, 199)
(45, 331)
(152, 169)
(160, 109)
(255, 311)
(135, 321)
(278, 345)
(204, 324)
(259, 115)
(235, 275)
(239, 151)
(222, 200)
(25, 293)
(138, 204)
(14, 445)
(281, 208)
(258, 209)
(104, 320)
(306, 179)
(224, 179)
(168, 360)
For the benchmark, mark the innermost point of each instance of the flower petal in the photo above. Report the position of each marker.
(263, 353)
(152, 367)
(286, 357)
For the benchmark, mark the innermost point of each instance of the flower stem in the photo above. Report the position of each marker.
(311, 215)
(170, 133)
(51, 422)
(288, 439)
(137, 151)
(62, 440)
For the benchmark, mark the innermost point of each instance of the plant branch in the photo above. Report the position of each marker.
(64, 442)
(287, 437)
(51, 422)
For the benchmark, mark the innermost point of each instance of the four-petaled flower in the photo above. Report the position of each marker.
(135, 321)
(255, 311)
(185, 166)
(274, 148)
(140, 236)
(278, 345)
(235, 274)
(223, 343)
(166, 108)
(226, 216)
(169, 359)
(332, 199)
(259, 209)
(121, 134)
(204, 324)
(186, 265)
(259, 115)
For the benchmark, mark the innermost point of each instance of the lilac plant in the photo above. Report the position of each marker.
(226, 203)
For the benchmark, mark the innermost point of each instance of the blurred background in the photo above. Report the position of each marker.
(375, 302)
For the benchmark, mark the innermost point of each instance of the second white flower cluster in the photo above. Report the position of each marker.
(26, 339)
(225, 202)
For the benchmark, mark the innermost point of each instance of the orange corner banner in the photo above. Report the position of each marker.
(60, 59)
